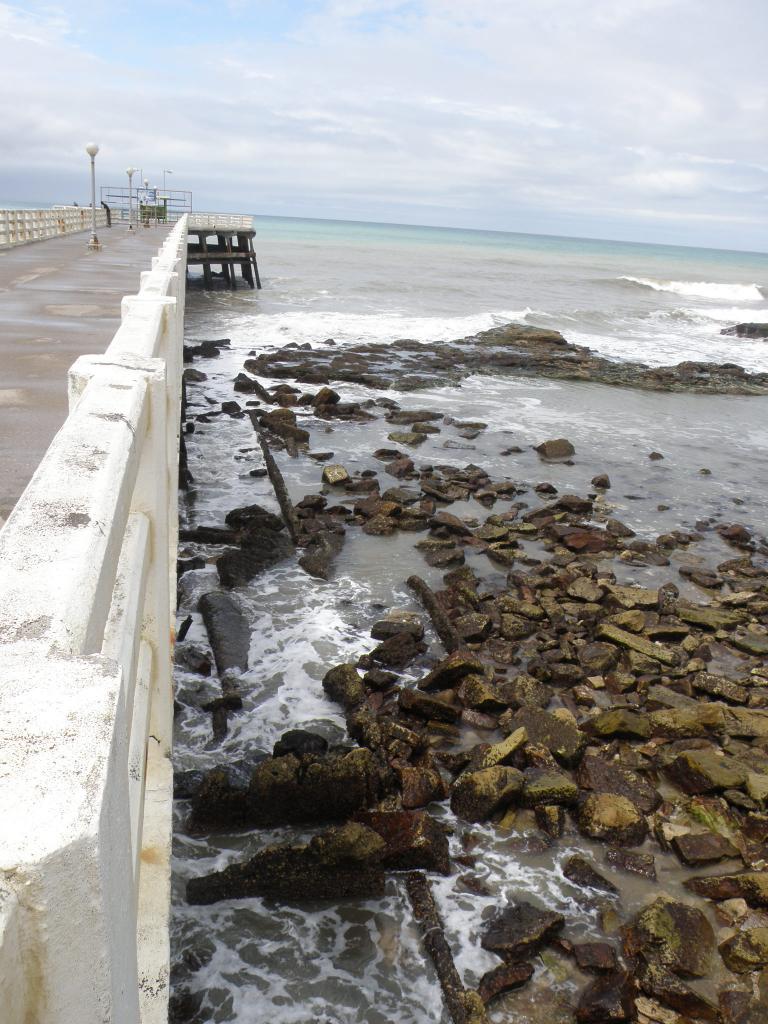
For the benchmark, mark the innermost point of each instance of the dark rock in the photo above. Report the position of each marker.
(642, 864)
(264, 549)
(675, 936)
(414, 840)
(702, 848)
(417, 703)
(556, 449)
(319, 554)
(343, 684)
(559, 735)
(340, 863)
(747, 331)
(397, 651)
(228, 631)
(659, 983)
(751, 886)
(603, 776)
(420, 786)
(520, 929)
(192, 659)
(503, 978)
(186, 784)
(298, 742)
(579, 870)
(595, 957)
(609, 999)
(475, 796)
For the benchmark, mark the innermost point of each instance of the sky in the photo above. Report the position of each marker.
(644, 120)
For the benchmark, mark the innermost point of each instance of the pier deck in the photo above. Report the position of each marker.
(57, 301)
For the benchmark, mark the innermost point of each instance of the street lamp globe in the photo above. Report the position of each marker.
(92, 149)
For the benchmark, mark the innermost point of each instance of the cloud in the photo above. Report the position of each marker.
(596, 117)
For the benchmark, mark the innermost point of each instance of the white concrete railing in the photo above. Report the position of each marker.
(219, 220)
(87, 593)
(20, 226)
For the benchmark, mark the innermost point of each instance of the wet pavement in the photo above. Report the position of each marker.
(57, 301)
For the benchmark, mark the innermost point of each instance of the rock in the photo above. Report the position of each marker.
(414, 840)
(396, 622)
(298, 742)
(417, 703)
(597, 658)
(583, 589)
(602, 481)
(656, 651)
(340, 863)
(603, 776)
(550, 818)
(612, 818)
(688, 722)
(707, 617)
(523, 691)
(192, 658)
(397, 651)
(595, 957)
(702, 848)
(720, 686)
(559, 448)
(548, 787)
(228, 631)
(520, 929)
(581, 872)
(326, 396)
(665, 986)
(620, 722)
(642, 864)
(475, 796)
(335, 475)
(250, 517)
(503, 978)
(747, 330)
(674, 935)
(499, 753)
(706, 771)
(319, 554)
(473, 627)
(264, 548)
(344, 685)
(751, 886)
(746, 951)
(557, 732)
(475, 692)
(609, 999)
(451, 670)
(420, 786)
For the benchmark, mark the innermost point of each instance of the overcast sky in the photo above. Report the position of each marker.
(635, 119)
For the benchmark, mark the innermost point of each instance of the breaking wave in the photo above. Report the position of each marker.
(701, 289)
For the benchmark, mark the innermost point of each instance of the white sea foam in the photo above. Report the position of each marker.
(702, 289)
(279, 329)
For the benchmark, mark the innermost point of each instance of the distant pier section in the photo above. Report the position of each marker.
(226, 241)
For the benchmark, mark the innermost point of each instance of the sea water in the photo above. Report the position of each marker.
(257, 960)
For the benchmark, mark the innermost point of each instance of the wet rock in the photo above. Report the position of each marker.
(228, 631)
(620, 722)
(548, 787)
(298, 742)
(747, 331)
(520, 929)
(504, 978)
(688, 722)
(334, 475)
(581, 872)
(397, 651)
(597, 658)
(602, 481)
(702, 848)
(660, 983)
(477, 693)
(708, 617)
(595, 957)
(343, 684)
(340, 863)
(417, 703)
(523, 691)
(486, 756)
(414, 840)
(613, 819)
(706, 771)
(320, 553)
(674, 935)
(192, 658)
(720, 687)
(550, 818)
(601, 775)
(476, 796)
(263, 549)
(642, 864)
(396, 622)
(420, 786)
(751, 886)
(557, 732)
(186, 784)
(746, 951)
(254, 517)
(630, 641)
(559, 448)
(609, 998)
(451, 670)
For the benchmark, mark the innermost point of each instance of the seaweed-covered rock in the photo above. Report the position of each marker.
(343, 684)
(557, 732)
(414, 840)
(543, 786)
(503, 978)
(340, 863)
(751, 886)
(613, 819)
(475, 796)
(675, 935)
(600, 775)
(609, 999)
(520, 929)
(746, 951)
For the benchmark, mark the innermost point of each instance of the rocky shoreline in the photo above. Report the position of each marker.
(512, 349)
(565, 705)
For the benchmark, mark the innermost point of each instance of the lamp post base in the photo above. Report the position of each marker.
(94, 245)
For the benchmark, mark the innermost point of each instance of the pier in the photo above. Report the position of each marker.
(224, 240)
(87, 601)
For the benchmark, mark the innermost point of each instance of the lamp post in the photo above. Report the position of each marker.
(145, 182)
(164, 174)
(130, 171)
(92, 149)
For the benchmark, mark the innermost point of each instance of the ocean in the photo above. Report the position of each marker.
(254, 960)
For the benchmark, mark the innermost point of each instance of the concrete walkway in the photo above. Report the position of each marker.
(57, 302)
